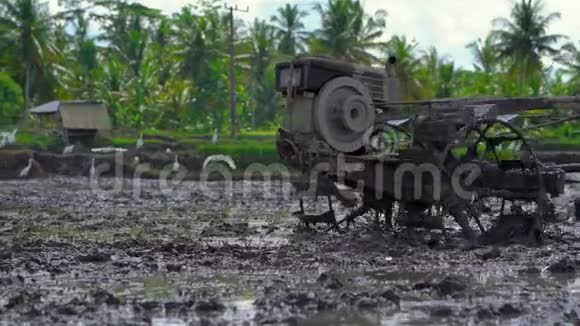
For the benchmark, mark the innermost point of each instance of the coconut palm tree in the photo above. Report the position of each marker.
(258, 61)
(524, 40)
(570, 59)
(447, 79)
(126, 28)
(430, 70)
(25, 24)
(484, 79)
(290, 29)
(198, 40)
(407, 65)
(347, 32)
(485, 54)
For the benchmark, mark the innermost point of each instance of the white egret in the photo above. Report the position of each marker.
(214, 138)
(11, 136)
(24, 173)
(168, 150)
(140, 141)
(68, 149)
(93, 170)
(176, 165)
(220, 158)
(136, 159)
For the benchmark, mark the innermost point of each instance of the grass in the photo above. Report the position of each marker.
(244, 152)
(182, 135)
(129, 142)
(43, 142)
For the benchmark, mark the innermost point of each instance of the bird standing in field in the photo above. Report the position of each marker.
(176, 164)
(68, 149)
(140, 141)
(214, 138)
(11, 137)
(93, 170)
(24, 173)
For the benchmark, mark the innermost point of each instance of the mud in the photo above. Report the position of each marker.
(69, 254)
(153, 160)
(151, 164)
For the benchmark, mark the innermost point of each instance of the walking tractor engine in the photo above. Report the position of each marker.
(346, 129)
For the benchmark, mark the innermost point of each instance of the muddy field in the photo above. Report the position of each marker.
(69, 254)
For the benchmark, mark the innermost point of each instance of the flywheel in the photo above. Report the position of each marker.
(344, 114)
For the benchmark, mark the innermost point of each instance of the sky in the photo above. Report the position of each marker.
(448, 24)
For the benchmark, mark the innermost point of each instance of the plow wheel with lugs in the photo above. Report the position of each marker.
(512, 173)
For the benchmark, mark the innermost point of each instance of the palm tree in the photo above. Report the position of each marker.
(524, 39)
(25, 24)
(347, 32)
(447, 79)
(484, 79)
(199, 46)
(259, 59)
(198, 40)
(570, 59)
(290, 29)
(127, 27)
(407, 65)
(485, 54)
(429, 74)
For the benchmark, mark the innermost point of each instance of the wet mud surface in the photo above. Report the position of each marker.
(69, 254)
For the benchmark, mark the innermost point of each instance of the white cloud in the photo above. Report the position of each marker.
(448, 24)
(451, 24)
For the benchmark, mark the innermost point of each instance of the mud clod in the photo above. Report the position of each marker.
(488, 253)
(451, 284)
(228, 230)
(24, 299)
(530, 271)
(330, 281)
(445, 286)
(95, 257)
(367, 303)
(441, 312)
(101, 296)
(211, 305)
(564, 265)
(509, 309)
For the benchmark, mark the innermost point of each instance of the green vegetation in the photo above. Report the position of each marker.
(40, 141)
(10, 98)
(243, 152)
(158, 71)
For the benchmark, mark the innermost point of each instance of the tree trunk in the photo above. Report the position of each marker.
(233, 110)
(27, 87)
